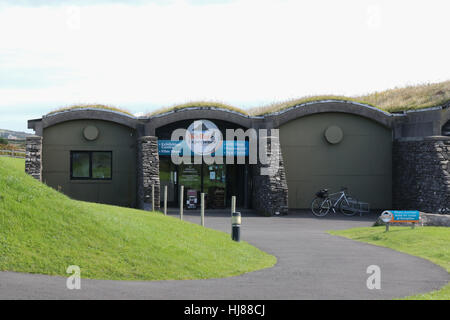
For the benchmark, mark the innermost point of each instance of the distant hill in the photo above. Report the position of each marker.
(13, 135)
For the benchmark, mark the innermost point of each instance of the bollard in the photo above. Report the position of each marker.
(236, 226)
(165, 200)
(181, 201)
(153, 197)
(233, 204)
(202, 208)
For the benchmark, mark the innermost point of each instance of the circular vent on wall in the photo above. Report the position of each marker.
(334, 134)
(90, 133)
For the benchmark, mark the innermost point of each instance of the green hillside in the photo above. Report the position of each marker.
(43, 231)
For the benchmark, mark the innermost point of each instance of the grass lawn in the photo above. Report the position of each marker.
(431, 243)
(43, 231)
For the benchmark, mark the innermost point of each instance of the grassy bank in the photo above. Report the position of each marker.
(431, 243)
(43, 231)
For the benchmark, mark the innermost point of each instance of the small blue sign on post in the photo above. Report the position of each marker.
(405, 215)
(400, 216)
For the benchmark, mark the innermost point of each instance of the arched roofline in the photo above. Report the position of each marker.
(89, 114)
(194, 113)
(321, 106)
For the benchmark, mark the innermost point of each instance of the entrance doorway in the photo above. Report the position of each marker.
(219, 182)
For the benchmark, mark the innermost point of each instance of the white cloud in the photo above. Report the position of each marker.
(241, 52)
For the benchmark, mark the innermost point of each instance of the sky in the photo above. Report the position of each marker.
(143, 55)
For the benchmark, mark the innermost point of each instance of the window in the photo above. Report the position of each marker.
(92, 165)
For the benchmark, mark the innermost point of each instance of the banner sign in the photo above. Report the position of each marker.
(165, 147)
(400, 216)
(228, 148)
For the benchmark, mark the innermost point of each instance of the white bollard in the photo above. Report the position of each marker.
(165, 200)
(202, 210)
(153, 197)
(181, 201)
(233, 204)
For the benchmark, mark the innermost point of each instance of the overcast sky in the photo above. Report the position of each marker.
(142, 55)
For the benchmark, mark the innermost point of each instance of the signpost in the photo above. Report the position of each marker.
(400, 216)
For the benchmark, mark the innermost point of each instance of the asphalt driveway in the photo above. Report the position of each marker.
(311, 265)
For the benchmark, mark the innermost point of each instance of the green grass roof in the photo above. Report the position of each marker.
(90, 106)
(198, 104)
(392, 100)
(411, 97)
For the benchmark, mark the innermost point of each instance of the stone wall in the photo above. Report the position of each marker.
(421, 174)
(270, 192)
(148, 172)
(440, 220)
(33, 158)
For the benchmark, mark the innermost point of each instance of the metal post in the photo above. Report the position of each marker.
(233, 204)
(387, 227)
(236, 226)
(165, 200)
(153, 197)
(413, 225)
(202, 210)
(181, 201)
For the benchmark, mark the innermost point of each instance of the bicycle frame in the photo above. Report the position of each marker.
(342, 196)
(320, 205)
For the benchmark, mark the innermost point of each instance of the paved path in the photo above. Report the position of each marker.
(311, 265)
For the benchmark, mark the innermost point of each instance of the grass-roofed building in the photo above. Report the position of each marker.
(389, 156)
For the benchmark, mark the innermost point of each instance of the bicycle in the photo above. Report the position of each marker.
(324, 202)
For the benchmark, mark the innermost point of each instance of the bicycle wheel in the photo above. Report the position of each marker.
(320, 207)
(346, 208)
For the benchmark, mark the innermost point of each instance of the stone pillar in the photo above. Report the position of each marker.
(33, 157)
(148, 172)
(421, 174)
(270, 192)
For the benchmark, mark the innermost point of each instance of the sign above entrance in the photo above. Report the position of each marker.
(203, 137)
(228, 148)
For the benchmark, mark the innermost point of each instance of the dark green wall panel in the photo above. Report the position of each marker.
(60, 139)
(362, 161)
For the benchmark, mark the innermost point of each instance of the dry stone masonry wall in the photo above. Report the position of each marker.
(33, 160)
(421, 174)
(148, 172)
(270, 192)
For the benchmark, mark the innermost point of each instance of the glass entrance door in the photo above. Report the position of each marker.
(168, 177)
(190, 177)
(196, 178)
(214, 185)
